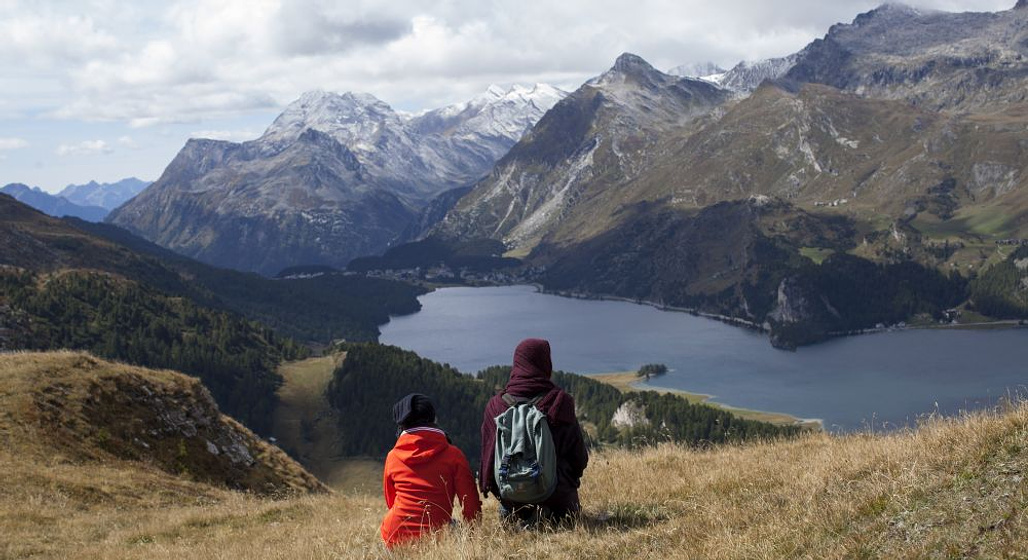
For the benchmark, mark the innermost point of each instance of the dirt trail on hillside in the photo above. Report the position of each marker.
(307, 428)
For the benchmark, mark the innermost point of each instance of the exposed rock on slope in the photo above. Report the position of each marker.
(820, 145)
(82, 409)
(939, 60)
(602, 135)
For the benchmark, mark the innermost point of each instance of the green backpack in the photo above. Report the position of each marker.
(524, 459)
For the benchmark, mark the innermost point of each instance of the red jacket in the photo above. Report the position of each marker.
(423, 474)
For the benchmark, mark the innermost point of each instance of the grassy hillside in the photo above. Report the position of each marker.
(123, 320)
(307, 427)
(62, 411)
(952, 489)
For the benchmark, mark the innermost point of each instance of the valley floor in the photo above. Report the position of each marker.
(952, 489)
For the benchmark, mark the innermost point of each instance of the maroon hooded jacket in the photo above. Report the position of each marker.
(530, 377)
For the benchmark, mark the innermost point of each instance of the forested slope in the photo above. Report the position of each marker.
(374, 376)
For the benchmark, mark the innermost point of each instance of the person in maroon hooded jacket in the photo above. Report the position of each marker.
(529, 378)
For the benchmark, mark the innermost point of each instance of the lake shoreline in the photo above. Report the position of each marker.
(737, 321)
(850, 383)
(743, 323)
(628, 381)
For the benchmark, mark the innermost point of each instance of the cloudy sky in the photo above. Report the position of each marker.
(107, 89)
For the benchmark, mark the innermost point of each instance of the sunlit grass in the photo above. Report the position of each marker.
(816, 254)
(951, 489)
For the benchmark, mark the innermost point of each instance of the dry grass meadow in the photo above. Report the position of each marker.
(951, 489)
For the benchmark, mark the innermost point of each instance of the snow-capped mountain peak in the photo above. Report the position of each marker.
(699, 70)
(495, 91)
(627, 67)
(498, 112)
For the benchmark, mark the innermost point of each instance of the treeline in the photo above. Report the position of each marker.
(320, 309)
(123, 320)
(1002, 290)
(865, 293)
(373, 377)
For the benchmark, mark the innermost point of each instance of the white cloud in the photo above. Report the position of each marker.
(13, 144)
(128, 142)
(45, 37)
(86, 148)
(193, 60)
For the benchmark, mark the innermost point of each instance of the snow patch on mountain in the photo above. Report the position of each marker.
(748, 75)
(696, 70)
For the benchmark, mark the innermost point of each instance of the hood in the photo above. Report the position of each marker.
(531, 375)
(420, 445)
(532, 360)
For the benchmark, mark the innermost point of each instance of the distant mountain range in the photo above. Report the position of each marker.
(743, 77)
(336, 176)
(91, 202)
(56, 206)
(897, 138)
(104, 195)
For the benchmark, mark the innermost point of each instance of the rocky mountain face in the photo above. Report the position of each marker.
(56, 206)
(334, 177)
(105, 195)
(558, 177)
(748, 76)
(909, 126)
(938, 60)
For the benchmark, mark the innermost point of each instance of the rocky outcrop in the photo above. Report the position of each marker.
(748, 76)
(91, 410)
(630, 414)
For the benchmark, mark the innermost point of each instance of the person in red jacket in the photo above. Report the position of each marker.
(423, 474)
(529, 378)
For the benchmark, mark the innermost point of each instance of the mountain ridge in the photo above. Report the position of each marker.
(105, 195)
(600, 134)
(334, 177)
(54, 205)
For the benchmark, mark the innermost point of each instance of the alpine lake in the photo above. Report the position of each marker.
(878, 381)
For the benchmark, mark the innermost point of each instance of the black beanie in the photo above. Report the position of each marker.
(413, 410)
